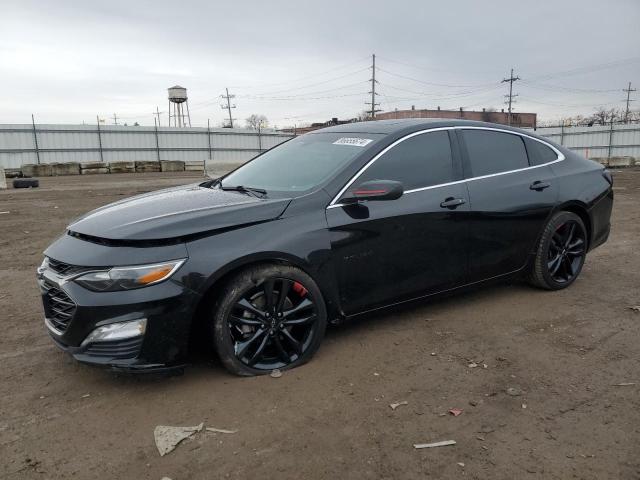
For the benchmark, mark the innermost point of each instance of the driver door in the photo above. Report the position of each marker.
(390, 250)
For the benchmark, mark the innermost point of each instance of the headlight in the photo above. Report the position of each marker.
(128, 278)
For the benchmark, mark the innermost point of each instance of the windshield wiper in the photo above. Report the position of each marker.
(241, 188)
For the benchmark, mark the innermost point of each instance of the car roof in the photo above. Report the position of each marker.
(406, 125)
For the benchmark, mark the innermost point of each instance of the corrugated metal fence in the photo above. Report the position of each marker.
(601, 141)
(25, 144)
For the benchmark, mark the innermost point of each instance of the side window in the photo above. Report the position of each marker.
(539, 153)
(494, 152)
(420, 161)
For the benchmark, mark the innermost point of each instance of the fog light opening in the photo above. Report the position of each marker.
(117, 331)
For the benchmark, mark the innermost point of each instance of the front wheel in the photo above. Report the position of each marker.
(561, 252)
(268, 317)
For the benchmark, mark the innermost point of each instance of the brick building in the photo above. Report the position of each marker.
(522, 120)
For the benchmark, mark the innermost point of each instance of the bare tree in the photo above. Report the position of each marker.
(603, 116)
(257, 122)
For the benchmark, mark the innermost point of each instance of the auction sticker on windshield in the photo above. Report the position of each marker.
(354, 142)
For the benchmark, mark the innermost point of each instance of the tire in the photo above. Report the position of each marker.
(561, 252)
(26, 183)
(241, 312)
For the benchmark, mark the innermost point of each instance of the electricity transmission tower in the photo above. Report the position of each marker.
(511, 95)
(228, 105)
(373, 90)
(115, 119)
(628, 90)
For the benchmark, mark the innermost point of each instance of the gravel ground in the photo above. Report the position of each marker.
(543, 401)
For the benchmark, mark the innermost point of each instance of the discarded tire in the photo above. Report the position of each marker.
(26, 183)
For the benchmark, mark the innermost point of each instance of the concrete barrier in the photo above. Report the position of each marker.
(216, 169)
(41, 170)
(94, 171)
(172, 166)
(621, 162)
(122, 167)
(194, 166)
(71, 168)
(92, 168)
(3, 180)
(147, 166)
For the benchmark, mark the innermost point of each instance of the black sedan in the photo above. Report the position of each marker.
(330, 225)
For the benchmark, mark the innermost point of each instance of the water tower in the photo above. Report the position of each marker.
(178, 100)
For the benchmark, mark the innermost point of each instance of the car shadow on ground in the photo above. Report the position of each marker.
(203, 364)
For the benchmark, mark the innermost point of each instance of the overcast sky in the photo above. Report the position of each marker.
(297, 61)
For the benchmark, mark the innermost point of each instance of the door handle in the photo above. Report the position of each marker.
(539, 186)
(452, 203)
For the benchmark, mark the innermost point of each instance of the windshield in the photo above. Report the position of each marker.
(301, 163)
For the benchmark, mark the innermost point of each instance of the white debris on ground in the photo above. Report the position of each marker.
(398, 404)
(220, 430)
(444, 443)
(167, 437)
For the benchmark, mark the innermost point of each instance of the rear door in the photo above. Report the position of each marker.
(511, 198)
(389, 250)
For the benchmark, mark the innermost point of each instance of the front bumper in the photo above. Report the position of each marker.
(72, 313)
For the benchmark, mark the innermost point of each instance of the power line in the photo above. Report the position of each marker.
(439, 96)
(628, 90)
(313, 84)
(586, 69)
(315, 75)
(306, 94)
(373, 93)
(511, 95)
(228, 106)
(559, 88)
(433, 84)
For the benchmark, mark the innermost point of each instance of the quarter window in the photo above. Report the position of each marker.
(539, 153)
(494, 152)
(420, 161)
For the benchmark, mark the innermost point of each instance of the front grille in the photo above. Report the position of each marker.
(119, 349)
(64, 269)
(59, 308)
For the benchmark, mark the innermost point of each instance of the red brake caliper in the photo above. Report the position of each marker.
(299, 289)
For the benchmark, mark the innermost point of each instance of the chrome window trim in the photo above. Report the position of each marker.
(560, 157)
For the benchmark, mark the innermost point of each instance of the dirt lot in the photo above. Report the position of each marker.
(562, 352)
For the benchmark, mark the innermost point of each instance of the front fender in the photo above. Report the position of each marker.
(305, 245)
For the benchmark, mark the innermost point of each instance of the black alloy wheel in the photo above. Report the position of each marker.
(271, 319)
(561, 252)
(566, 252)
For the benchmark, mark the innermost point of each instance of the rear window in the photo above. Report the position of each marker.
(494, 152)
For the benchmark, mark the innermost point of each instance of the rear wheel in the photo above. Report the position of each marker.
(561, 252)
(268, 317)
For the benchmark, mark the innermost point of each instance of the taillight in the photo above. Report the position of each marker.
(607, 175)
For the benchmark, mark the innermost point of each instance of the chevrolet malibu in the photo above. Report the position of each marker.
(327, 226)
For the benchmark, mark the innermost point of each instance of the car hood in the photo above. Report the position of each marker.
(176, 212)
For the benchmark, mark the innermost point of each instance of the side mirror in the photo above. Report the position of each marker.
(374, 190)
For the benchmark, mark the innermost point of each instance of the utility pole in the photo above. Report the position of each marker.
(373, 89)
(628, 90)
(228, 106)
(511, 95)
(115, 119)
(157, 114)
